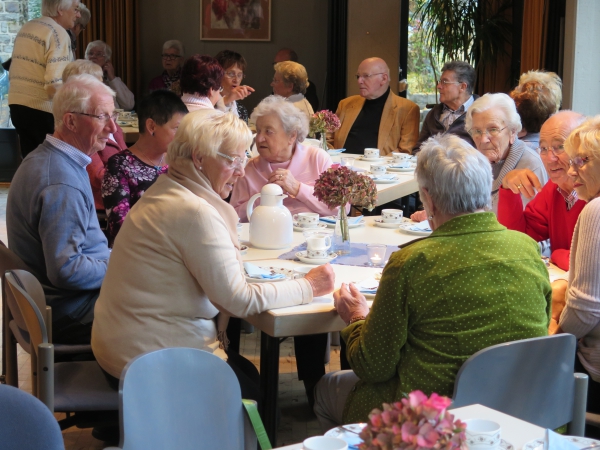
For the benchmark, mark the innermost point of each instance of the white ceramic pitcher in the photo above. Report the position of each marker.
(270, 223)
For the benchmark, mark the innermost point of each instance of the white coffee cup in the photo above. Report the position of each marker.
(482, 434)
(399, 157)
(371, 153)
(301, 271)
(324, 443)
(392, 215)
(378, 169)
(317, 246)
(125, 115)
(307, 219)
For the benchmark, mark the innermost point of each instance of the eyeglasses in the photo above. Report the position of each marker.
(233, 75)
(237, 162)
(104, 116)
(476, 133)
(169, 57)
(220, 89)
(555, 150)
(579, 162)
(96, 55)
(446, 82)
(367, 76)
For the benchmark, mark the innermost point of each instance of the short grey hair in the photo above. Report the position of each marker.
(293, 73)
(500, 101)
(81, 66)
(101, 44)
(206, 132)
(75, 96)
(174, 43)
(456, 175)
(465, 73)
(85, 16)
(50, 8)
(292, 118)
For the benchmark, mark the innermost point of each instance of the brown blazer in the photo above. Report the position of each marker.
(399, 127)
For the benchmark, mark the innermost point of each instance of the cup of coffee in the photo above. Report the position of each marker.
(400, 157)
(482, 434)
(378, 169)
(324, 443)
(317, 246)
(301, 271)
(371, 153)
(392, 215)
(306, 219)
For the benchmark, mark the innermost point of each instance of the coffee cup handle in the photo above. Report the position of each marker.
(295, 217)
(328, 241)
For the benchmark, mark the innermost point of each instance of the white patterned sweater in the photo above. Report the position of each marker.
(41, 52)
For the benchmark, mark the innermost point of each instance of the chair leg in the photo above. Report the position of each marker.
(9, 357)
(45, 374)
(577, 425)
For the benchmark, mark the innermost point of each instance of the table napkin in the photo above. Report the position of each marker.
(421, 226)
(383, 177)
(554, 441)
(253, 271)
(368, 286)
(333, 219)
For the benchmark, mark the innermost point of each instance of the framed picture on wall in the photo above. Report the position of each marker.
(235, 20)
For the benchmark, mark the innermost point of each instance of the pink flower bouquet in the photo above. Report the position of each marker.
(336, 187)
(323, 121)
(414, 423)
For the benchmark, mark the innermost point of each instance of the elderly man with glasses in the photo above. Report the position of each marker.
(377, 118)
(456, 95)
(50, 215)
(553, 211)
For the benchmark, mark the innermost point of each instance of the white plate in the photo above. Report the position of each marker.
(316, 227)
(379, 158)
(335, 151)
(302, 257)
(401, 169)
(380, 181)
(405, 228)
(350, 225)
(380, 223)
(580, 442)
(350, 438)
(289, 275)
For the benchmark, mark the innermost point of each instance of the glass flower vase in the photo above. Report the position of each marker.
(341, 235)
(324, 141)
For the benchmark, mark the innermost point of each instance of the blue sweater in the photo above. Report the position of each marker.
(52, 225)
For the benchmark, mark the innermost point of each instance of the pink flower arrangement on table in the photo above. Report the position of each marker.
(336, 187)
(323, 121)
(414, 423)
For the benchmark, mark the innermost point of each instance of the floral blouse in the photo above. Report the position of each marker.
(126, 179)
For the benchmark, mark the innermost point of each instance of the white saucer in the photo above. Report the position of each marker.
(401, 169)
(289, 275)
(352, 439)
(404, 228)
(350, 225)
(316, 227)
(581, 442)
(380, 181)
(380, 223)
(335, 151)
(364, 158)
(302, 257)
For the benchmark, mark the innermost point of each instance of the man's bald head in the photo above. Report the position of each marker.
(285, 54)
(373, 76)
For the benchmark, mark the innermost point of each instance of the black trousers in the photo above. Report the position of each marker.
(76, 328)
(32, 126)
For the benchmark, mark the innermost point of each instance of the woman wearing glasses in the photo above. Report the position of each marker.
(201, 78)
(172, 60)
(234, 66)
(131, 172)
(290, 81)
(578, 312)
(177, 262)
(493, 123)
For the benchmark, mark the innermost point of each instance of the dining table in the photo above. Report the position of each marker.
(514, 432)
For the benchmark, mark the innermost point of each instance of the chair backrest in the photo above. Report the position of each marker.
(25, 422)
(10, 261)
(180, 398)
(532, 379)
(21, 283)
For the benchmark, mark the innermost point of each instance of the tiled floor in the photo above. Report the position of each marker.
(297, 420)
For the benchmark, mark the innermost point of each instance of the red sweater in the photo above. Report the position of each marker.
(545, 217)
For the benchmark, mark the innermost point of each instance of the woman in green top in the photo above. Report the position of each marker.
(469, 285)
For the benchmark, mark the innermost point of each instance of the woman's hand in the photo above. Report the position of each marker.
(322, 280)
(350, 303)
(109, 70)
(286, 180)
(419, 216)
(238, 93)
(559, 298)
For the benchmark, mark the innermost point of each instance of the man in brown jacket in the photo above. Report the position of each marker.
(377, 118)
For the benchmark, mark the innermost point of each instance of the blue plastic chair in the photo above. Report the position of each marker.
(531, 379)
(182, 398)
(26, 423)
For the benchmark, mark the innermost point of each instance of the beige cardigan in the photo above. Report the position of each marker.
(172, 255)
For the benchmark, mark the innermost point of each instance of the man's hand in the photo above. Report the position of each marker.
(350, 303)
(109, 70)
(522, 181)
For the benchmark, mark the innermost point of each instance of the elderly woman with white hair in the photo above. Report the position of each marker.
(100, 53)
(41, 51)
(172, 58)
(290, 81)
(282, 159)
(493, 123)
(471, 284)
(176, 261)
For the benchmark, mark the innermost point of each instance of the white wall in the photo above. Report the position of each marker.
(301, 25)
